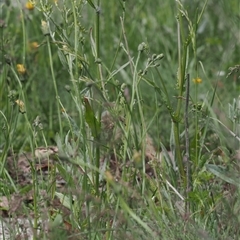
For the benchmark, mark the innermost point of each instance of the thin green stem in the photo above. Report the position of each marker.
(23, 32)
(168, 102)
(187, 142)
(126, 43)
(178, 154)
(182, 61)
(143, 137)
(54, 83)
(129, 114)
(97, 29)
(98, 61)
(76, 40)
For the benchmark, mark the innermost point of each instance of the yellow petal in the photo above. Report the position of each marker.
(21, 69)
(197, 80)
(29, 5)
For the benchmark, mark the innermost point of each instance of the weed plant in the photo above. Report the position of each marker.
(136, 98)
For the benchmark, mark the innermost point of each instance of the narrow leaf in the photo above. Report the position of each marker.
(91, 120)
(91, 4)
(229, 176)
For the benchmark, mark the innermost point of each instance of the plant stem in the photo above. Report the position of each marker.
(98, 61)
(54, 83)
(188, 161)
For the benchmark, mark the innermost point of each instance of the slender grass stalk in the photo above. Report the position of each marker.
(143, 141)
(166, 95)
(4, 152)
(7, 145)
(23, 34)
(126, 43)
(97, 29)
(76, 40)
(129, 113)
(126, 208)
(98, 61)
(187, 142)
(120, 40)
(54, 83)
(182, 60)
(178, 155)
(77, 98)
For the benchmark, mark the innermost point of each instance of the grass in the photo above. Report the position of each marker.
(142, 103)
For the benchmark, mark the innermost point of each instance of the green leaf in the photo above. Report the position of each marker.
(58, 220)
(91, 120)
(65, 200)
(229, 176)
(62, 58)
(91, 4)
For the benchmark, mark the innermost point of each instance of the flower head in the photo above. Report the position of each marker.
(197, 80)
(21, 105)
(32, 46)
(29, 5)
(21, 69)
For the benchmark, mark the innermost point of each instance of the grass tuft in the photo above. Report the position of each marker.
(117, 120)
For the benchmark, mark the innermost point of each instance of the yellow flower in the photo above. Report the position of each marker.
(197, 80)
(21, 69)
(29, 5)
(33, 46)
(21, 106)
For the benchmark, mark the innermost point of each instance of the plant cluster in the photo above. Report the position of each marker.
(111, 127)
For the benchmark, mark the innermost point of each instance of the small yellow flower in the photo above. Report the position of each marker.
(29, 5)
(34, 45)
(21, 106)
(21, 69)
(197, 80)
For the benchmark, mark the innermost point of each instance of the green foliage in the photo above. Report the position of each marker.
(134, 96)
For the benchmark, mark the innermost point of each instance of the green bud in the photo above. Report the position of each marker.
(98, 61)
(68, 88)
(160, 56)
(142, 47)
(12, 96)
(154, 56)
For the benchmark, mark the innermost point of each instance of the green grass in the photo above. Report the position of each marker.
(112, 87)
